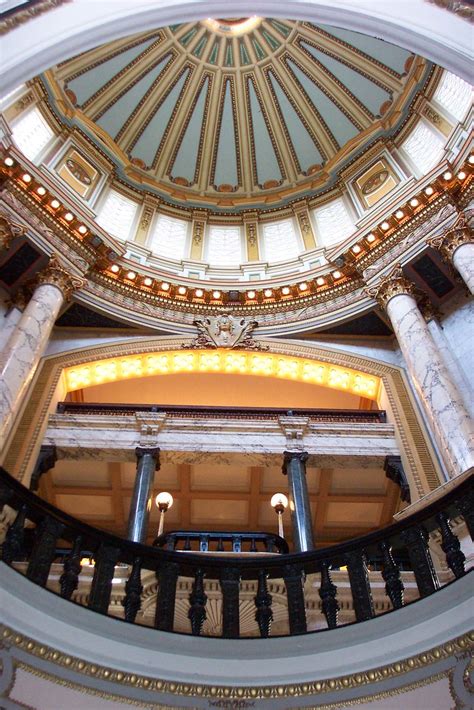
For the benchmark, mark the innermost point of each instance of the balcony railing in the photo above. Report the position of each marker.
(40, 533)
(375, 416)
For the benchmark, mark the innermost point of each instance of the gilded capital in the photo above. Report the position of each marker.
(56, 275)
(393, 284)
(460, 233)
(9, 230)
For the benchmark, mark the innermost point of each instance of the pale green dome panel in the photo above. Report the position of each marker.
(185, 163)
(91, 81)
(339, 125)
(115, 117)
(304, 146)
(369, 93)
(147, 145)
(388, 54)
(266, 161)
(226, 172)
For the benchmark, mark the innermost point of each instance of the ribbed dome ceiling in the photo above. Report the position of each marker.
(236, 112)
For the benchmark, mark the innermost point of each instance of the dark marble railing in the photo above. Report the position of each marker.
(375, 416)
(41, 535)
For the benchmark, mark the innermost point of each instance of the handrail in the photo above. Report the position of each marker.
(270, 542)
(410, 534)
(176, 410)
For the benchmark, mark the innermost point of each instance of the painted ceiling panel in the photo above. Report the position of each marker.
(340, 126)
(150, 140)
(371, 95)
(306, 151)
(226, 160)
(389, 54)
(282, 98)
(91, 81)
(267, 167)
(185, 163)
(114, 118)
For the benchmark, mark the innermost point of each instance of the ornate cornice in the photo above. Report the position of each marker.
(131, 680)
(24, 14)
(459, 234)
(56, 275)
(393, 284)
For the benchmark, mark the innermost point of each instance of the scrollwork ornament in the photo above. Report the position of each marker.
(9, 230)
(393, 284)
(459, 234)
(56, 275)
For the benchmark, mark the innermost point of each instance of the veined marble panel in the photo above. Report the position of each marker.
(191, 440)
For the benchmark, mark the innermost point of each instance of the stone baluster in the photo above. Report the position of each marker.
(294, 466)
(457, 246)
(28, 342)
(148, 461)
(439, 395)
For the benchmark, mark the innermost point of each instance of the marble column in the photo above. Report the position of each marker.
(12, 317)
(148, 461)
(457, 247)
(439, 395)
(27, 343)
(294, 466)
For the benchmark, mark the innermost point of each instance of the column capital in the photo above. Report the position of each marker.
(290, 455)
(154, 453)
(460, 233)
(56, 275)
(9, 230)
(395, 283)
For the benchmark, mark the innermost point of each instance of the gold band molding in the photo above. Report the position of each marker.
(131, 680)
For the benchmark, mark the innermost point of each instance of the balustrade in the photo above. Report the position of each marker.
(42, 536)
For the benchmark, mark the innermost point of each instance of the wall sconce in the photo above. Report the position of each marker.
(279, 503)
(163, 501)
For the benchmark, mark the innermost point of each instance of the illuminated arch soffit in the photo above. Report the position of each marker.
(222, 361)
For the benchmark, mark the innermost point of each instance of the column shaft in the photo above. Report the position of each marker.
(148, 463)
(10, 321)
(23, 351)
(463, 260)
(28, 341)
(294, 465)
(440, 397)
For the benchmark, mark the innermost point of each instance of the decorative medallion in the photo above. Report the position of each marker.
(225, 331)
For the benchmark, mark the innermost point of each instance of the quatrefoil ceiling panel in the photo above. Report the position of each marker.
(227, 111)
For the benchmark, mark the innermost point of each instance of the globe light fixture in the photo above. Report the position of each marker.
(163, 501)
(279, 503)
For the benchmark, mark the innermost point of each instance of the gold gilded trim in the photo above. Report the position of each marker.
(22, 15)
(133, 680)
